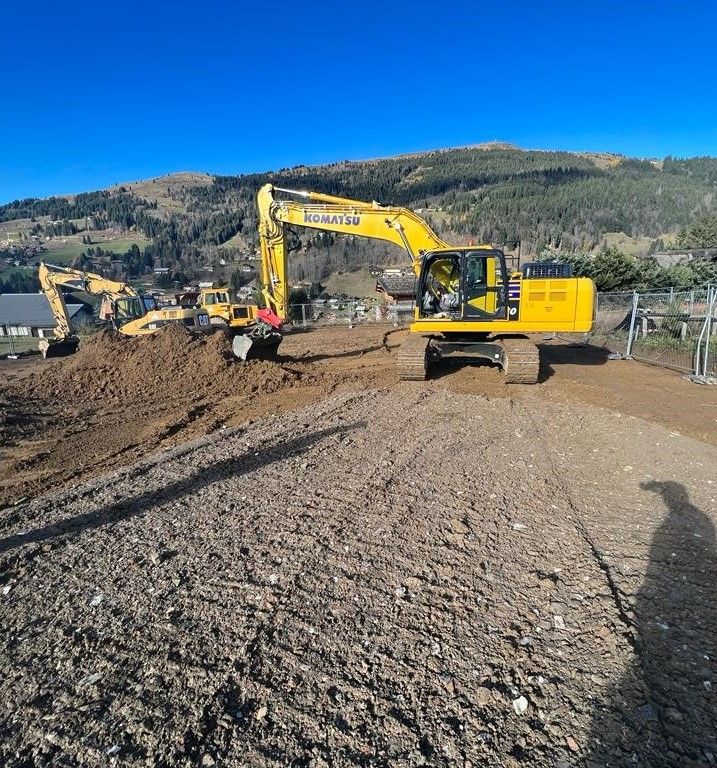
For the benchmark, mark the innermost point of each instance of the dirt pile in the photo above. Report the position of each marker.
(113, 368)
(119, 398)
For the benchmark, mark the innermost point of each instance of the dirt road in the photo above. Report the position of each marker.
(393, 575)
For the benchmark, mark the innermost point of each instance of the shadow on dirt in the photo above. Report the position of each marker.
(17, 418)
(663, 710)
(140, 505)
(550, 356)
(568, 354)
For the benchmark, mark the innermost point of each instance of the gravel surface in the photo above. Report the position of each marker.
(387, 577)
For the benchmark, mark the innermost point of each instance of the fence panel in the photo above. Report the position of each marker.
(667, 328)
(350, 313)
(611, 330)
(16, 345)
(674, 329)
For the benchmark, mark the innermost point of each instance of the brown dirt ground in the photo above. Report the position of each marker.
(362, 572)
(117, 399)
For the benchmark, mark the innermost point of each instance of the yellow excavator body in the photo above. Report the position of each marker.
(467, 303)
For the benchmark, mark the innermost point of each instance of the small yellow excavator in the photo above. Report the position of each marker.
(467, 304)
(128, 312)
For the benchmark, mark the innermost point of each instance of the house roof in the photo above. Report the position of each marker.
(397, 287)
(30, 309)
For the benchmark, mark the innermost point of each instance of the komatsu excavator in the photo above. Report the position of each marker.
(129, 312)
(467, 302)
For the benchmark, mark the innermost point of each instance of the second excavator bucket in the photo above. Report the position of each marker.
(58, 347)
(241, 346)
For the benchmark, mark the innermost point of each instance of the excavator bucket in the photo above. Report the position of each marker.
(59, 348)
(249, 347)
(241, 346)
(261, 340)
(260, 343)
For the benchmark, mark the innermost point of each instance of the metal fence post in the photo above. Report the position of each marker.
(710, 311)
(631, 337)
(11, 342)
(303, 315)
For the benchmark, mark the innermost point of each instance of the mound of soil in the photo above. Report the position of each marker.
(119, 398)
(115, 368)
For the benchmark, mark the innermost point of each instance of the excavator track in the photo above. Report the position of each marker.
(521, 361)
(412, 358)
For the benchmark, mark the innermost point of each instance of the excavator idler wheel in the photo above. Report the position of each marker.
(521, 361)
(412, 358)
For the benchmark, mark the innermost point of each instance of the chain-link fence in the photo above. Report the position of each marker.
(349, 313)
(674, 329)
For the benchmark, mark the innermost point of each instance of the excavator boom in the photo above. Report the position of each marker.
(329, 213)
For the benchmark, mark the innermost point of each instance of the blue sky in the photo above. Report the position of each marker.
(98, 93)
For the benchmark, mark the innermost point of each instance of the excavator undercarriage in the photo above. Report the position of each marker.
(518, 356)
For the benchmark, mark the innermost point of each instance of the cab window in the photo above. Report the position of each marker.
(475, 270)
(129, 309)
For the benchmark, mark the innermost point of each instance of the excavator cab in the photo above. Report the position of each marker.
(463, 284)
(132, 308)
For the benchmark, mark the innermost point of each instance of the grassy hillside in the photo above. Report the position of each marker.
(571, 202)
(65, 250)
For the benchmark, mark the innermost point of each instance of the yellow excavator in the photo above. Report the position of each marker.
(253, 329)
(468, 304)
(128, 312)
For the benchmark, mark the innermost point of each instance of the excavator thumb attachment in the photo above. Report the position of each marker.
(58, 347)
(261, 340)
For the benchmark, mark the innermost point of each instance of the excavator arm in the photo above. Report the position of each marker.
(315, 210)
(53, 277)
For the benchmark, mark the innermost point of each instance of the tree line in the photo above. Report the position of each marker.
(613, 270)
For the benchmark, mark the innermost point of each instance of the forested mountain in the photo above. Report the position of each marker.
(563, 201)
